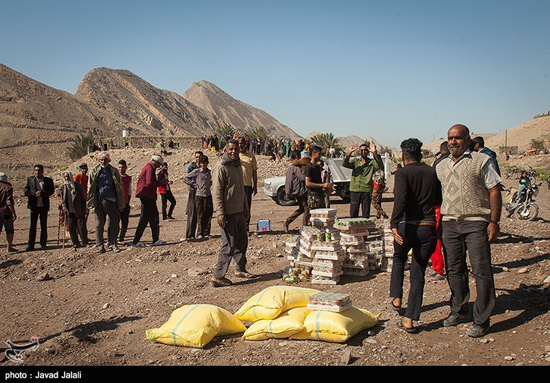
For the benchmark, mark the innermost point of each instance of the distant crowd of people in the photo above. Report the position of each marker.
(275, 148)
(441, 212)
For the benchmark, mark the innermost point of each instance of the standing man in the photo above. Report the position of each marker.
(250, 175)
(106, 197)
(146, 191)
(413, 225)
(379, 184)
(471, 210)
(314, 181)
(38, 191)
(127, 188)
(230, 204)
(191, 210)
(82, 178)
(479, 146)
(361, 184)
(166, 193)
(7, 210)
(295, 188)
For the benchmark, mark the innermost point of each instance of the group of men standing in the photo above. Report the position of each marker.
(105, 190)
(465, 184)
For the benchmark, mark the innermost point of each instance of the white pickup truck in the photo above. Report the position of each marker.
(275, 187)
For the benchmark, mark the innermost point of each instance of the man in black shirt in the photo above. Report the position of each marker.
(314, 181)
(38, 191)
(413, 224)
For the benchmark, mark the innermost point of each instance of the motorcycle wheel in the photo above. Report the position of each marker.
(527, 213)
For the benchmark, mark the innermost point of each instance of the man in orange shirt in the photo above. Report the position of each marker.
(82, 178)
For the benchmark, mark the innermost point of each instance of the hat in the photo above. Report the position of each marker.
(3, 177)
(157, 159)
(83, 166)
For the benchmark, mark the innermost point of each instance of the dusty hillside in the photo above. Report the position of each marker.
(522, 134)
(36, 116)
(519, 135)
(236, 113)
(147, 109)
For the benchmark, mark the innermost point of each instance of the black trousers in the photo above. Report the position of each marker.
(469, 237)
(149, 216)
(248, 191)
(234, 244)
(165, 198)
(191, 215)
(204, 208)
(104, 209)
(124, 220)
(77, 227)
(42, 215)
(360, 200)
(423, 240)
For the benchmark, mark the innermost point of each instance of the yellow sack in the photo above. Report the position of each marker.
(336, 327)
(195, 326)
(287, 324)
(272, 301)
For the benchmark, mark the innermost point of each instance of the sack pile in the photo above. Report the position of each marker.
(276, 312)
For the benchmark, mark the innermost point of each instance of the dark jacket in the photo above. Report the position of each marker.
(47, 191)
(295, 181)
(92, 187)
(73, 202)
(6, 198)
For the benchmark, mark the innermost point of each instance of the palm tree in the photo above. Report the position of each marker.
(226, 131)
(327, 142)
(80, 146)
(259, 132)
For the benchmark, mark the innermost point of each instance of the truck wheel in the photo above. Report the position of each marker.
(281, 198)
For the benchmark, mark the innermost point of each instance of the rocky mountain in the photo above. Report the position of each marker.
(36, 118)
(234, 112)
(146, 109)
(38, 122)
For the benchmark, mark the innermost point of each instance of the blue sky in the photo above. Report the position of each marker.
(387, 69)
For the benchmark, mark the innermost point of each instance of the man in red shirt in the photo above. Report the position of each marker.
(146, 191)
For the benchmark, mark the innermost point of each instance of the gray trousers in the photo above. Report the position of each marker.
(459, 237)
(104, 209)
(234, 244)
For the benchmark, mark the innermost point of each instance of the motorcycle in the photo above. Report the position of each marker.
(522, 206)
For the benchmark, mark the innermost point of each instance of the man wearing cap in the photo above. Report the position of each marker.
(146, 191)
(38, 190)
(106, 197)
(7, 210)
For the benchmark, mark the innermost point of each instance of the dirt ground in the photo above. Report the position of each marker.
(91, 309)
